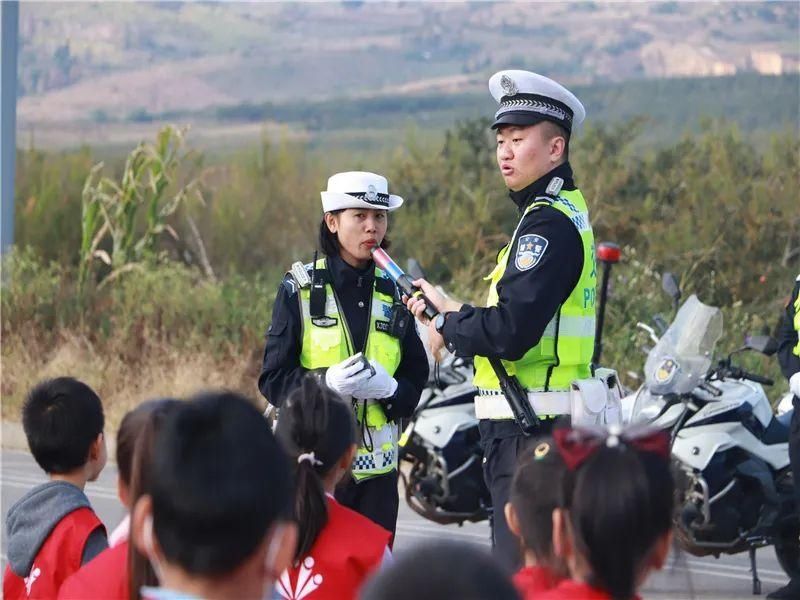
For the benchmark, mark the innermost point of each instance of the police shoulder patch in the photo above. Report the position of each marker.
(290, 285)
(530, 249)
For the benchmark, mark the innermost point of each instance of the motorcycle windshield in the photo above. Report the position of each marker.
(681, 358)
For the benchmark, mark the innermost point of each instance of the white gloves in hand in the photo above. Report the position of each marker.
(794, 384)
(345, 377)
(379, 386)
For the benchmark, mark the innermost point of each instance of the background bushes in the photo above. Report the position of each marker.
(713, 208)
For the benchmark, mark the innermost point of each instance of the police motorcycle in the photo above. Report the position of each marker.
(730, 450)
(440, 453)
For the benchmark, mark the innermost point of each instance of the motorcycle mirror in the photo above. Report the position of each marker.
(414, 269)
(764, 344)
(670, 285)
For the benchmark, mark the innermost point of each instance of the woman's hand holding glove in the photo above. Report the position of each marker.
(345, 377)
(379, 386)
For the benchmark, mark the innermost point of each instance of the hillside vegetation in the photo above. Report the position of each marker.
(189, 306)
(82, 61)
(366, 126)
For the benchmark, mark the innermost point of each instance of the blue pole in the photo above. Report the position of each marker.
(9, 15)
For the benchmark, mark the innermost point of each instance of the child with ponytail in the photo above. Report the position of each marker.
(535, 494)
(337, 548)
(615, 523)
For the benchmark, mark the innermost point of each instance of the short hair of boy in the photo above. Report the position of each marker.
(536, 493)
(220, 481)
(445, 569)
(62, 417)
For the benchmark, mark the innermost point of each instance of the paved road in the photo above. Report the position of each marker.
(686, 577)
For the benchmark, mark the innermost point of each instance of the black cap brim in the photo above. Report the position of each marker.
(519, 118)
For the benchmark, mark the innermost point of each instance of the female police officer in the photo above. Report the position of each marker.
(327, 313)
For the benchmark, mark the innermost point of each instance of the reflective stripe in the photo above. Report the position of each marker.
(383, 457)
(571, 326)
(495, 406)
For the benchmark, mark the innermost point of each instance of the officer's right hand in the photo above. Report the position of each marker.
(416, 306)
(345, 377)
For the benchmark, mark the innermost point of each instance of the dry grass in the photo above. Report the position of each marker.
(160, 371)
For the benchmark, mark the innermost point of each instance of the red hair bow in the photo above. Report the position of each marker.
(576, 444)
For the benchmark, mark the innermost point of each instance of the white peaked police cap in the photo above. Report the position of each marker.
(359, 189)
(528, 98)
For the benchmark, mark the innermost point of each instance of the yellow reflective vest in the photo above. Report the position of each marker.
(564, 352)
(327, 341)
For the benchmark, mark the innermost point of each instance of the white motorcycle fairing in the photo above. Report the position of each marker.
(735, 392)
(439, 425)
(695, 446)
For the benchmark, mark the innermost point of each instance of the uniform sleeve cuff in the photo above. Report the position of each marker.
(450, 329)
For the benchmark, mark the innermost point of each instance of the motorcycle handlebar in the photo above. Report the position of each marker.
(757, 378)
(737, 373)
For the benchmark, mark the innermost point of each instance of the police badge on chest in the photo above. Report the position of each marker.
(324, 321)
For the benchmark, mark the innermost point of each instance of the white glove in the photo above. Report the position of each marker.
(794, 384)
(379, 386)
(344, 377)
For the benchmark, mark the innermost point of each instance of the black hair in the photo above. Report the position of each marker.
(314, 419)
(329, 241)
(219, 482)
(535, 494)
(442, 570)
(135, 447)
(129, 430)
(619, 503)
(62, 417)
(551, 129)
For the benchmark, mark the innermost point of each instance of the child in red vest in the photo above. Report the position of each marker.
(337, 547)
(615, 523)
(215, 523)
(535, 494)
(107, 576)
(52, 530)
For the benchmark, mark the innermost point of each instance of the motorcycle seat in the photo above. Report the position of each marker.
(777, 432)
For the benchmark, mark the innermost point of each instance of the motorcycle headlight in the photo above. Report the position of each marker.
(647, 406)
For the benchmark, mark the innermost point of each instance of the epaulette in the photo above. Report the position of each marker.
(301, 274)
(551, 194)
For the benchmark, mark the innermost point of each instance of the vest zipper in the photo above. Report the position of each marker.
(368, 445)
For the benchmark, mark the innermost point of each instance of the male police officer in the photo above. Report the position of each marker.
(789, 358)
(540, 314)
